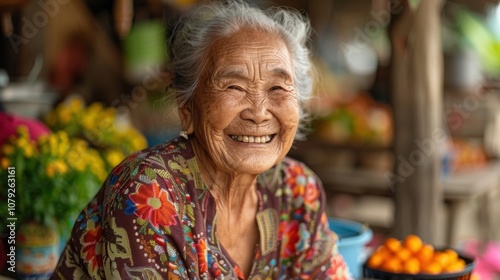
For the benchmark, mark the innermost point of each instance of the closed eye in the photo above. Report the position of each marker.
(276, 88)
(233, 87)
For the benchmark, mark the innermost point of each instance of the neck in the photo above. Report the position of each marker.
(235, 196)
(232, 192)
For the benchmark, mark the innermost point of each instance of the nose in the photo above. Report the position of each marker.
(257, 111)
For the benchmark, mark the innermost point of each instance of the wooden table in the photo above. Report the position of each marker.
(458, 189)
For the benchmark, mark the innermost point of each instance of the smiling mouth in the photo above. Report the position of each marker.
(252, 139)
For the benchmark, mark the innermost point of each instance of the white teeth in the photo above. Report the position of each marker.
(251, 139)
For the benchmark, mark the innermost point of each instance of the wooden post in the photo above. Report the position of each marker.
(416, 87)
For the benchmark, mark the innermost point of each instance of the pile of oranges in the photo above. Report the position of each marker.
(412, 256)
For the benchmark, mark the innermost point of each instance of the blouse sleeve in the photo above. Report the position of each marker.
(332, 266)
(318, 256)
(131, 230)
(139, 228)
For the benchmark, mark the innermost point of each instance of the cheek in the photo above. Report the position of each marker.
(287, 112)
(217, 111)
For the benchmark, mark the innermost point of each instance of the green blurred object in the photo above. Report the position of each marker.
(145, 46)
(477, 34)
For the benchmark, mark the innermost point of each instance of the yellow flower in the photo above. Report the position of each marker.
(53, 143)
(29, 150)
(75, 105)
(7, 149)
(64, 115)
(23, 131)
(139, 142)
(43, 137)
(60, 167)
(114, 157)
(63, 144)
(76, 161)
(50, 170)
(109, 112)
(22, 143)
(4, 162)
(88, 122)
(94, 108)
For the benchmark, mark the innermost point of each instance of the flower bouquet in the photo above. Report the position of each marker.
(55, 177)
(100, 126)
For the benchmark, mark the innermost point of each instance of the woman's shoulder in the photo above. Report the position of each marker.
(296, 184)
(175, 148)
(289, 163)
(161, 166)
(165, 156)
(293, 167)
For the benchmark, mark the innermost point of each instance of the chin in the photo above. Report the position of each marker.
(256, 164)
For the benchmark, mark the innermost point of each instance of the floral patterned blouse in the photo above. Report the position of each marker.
(155, 219)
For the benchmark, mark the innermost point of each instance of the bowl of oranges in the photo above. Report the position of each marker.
(411, 258)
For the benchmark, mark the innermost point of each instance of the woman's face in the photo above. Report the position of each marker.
(245, 111)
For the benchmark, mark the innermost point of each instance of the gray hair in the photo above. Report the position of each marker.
(193, 35)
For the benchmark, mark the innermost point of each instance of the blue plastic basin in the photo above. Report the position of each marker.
(353, 236)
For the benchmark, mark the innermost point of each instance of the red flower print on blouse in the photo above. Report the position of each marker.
(290, 233)
(239, 272)
(295, 176)
(201, 250)
(90, 240)
(311, 196)
(338, 269)
(152, 204)
(312, 193)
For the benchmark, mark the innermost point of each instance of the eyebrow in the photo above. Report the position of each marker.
(282, 72)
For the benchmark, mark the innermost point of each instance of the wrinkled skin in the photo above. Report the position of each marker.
(247, 90)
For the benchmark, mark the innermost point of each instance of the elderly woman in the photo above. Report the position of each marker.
(221, 201)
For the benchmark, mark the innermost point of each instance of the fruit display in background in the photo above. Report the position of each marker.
(467, 155)
(359, 120)
(413, 256)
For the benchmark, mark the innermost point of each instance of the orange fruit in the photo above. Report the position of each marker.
(431, 268)
(375, 260)
(392, 264)
(383, 250)
(461, 264)
(442, 258)
(403, 254)
(413, 243)
(454, 267)
(411, 266)
(425, 254)
(452, 254)
(392, 244)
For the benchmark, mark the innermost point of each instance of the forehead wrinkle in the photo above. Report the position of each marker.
(250, 62)
(278, 63)
(231, 72)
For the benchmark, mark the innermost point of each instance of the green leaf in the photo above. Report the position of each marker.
(150, 173)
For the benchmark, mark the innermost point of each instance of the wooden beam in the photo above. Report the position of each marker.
(416, 88)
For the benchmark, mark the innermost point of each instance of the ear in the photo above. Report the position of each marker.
(186, 117)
